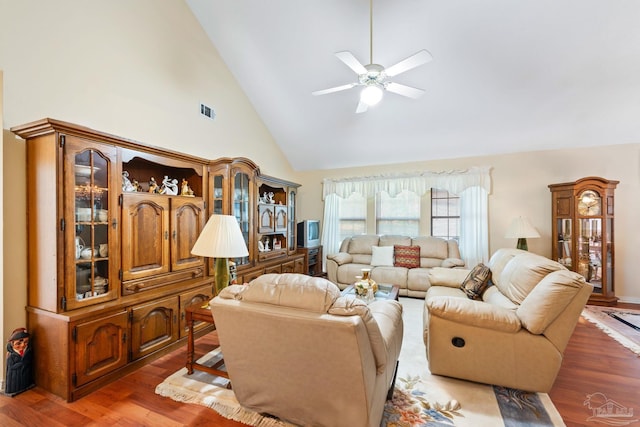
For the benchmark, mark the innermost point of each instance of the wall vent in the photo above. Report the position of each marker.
(207, 111)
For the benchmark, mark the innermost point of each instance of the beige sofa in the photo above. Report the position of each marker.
(516, 334)
(294, 348)
(356, 254)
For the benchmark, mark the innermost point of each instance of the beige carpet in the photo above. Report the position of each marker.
(420, 399)
(605, 319)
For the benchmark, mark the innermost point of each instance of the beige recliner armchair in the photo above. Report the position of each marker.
(295, 349)
(516, 334)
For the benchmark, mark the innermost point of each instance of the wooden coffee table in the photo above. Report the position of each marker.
(202, 313)
(384, 291)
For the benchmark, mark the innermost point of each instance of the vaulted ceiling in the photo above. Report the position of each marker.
(506, 76)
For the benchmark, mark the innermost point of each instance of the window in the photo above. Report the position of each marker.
(353, 216)
(398, 215)
(445, 215)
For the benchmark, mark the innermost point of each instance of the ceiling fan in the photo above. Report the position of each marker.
(374, 77)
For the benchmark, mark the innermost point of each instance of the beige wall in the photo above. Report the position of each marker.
(134, 69)
(519, 187)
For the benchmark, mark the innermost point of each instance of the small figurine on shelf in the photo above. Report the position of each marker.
(19, 375)
(186, 190)
(127, 186)
(169, 186)
(136, 185)
(266, 245)
(270, 199)
(153, 186)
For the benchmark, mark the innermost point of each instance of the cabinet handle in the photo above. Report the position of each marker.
(166, 235)
(124, 337)
(114, 223)
(174, 234)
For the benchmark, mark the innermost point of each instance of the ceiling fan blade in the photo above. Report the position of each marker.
(351, 61)
(404, 90)
(413, 61)
(362, 107)
(334, 89)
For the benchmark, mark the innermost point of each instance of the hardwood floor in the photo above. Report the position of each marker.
(593, 362)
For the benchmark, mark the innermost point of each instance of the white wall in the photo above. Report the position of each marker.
(520, 187)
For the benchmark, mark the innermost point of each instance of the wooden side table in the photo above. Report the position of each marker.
(197, 313)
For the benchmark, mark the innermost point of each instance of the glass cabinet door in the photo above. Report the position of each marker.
(218, 195)
(93, 239)
(292, 221)
(589, 251)
(240, 207)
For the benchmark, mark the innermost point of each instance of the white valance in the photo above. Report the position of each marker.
(454, 182)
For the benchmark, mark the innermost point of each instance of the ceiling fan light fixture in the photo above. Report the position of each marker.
(371, 95)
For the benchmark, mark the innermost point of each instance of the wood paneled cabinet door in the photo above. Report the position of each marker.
(187, 220)
(90, 259)
(198, 297)
(158, 234)
(153, 326)
(145, 235)
(100, 347)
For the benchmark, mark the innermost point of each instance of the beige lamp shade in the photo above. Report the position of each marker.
(521, 229)
(221, 238)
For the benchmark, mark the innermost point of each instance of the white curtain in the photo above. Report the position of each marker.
(472, 185)
(474, 226)
(330, 227)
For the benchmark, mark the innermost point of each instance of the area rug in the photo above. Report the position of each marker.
(419, 399)
(623, 325)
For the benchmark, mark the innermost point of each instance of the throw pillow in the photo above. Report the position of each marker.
(407, 256)
(476, 281)
(382, 256)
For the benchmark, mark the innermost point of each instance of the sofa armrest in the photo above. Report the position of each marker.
(450, 277)
(340, 258)
(388, 316)
(474, 313)
(452, 262)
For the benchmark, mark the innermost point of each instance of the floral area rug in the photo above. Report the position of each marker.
(419, 399)
(621, 324)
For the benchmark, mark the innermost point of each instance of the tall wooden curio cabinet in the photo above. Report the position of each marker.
(583, 232)
(110, 272)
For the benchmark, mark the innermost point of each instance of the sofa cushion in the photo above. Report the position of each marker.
(450, 277)
(431, 247)
(476, 281)
(522, 273)
(392, 240)
(382, 256)
(548, 299)
(406, 256)
(362, 244)
(292, 290)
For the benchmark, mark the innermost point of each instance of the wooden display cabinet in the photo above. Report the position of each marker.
(583, 233)
(265, 209)
(110, 270)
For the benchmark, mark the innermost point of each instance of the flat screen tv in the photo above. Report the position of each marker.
(309, 233)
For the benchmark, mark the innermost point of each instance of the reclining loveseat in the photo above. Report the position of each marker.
(515, 332)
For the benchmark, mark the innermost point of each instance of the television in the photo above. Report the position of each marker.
(309, 233)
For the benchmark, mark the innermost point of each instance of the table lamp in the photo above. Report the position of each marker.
(521, 229)
(221, 239)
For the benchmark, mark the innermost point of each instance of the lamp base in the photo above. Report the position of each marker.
(522, 244)
(221, 268)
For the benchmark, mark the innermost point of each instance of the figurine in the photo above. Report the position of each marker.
(127, 186)
(153, 186)
(136, 186)
(186, 190)
(19, 375)
(169, 186)
(270, 199)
